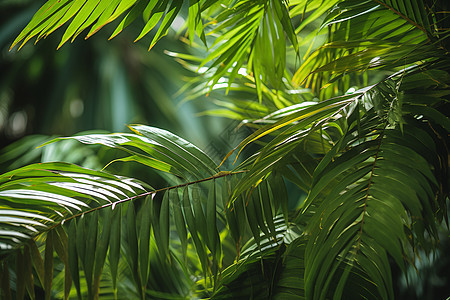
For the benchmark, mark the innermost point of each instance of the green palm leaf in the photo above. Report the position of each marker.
(155, 148)
(369, 196)
(96, 14)
(62, 193)
(61, 189)
(373, 161)
(380, 38)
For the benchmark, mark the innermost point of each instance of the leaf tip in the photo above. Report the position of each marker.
(114, 35)
(12, 46)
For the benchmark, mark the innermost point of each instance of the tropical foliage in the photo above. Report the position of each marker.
(347, 105)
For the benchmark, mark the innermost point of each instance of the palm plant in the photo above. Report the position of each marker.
(358, 124)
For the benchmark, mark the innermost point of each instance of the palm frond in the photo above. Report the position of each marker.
(418, 13)
(64, 189)
(36, 201)
(375, 199)
(380, 38)
(155, 148)
(364, 196)
(66, 209)
(242, 34)
(268, 267)
(97, 13)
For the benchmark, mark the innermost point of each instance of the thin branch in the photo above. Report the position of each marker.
(113, 204)
(368, 189)
(402, 15)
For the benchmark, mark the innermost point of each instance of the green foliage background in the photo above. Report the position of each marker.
(319, 162)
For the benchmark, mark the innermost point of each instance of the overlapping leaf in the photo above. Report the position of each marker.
(295, 126)
(98, 13)
(253, 274)
(39, 196)
(364, 197)
(368, 197)
(245, 31)
(381, 37)
(156, 148)
(364, 194)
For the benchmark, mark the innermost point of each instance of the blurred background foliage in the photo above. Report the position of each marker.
(97, 84)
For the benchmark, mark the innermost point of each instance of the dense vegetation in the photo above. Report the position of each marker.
(340, 183)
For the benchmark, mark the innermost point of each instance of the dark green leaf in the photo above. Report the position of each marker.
(114, 248)
(48, 265)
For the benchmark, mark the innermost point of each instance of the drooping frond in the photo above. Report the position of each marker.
(96, 14)
(375, 194)
(65, 190)
(252, 31)
(380, 187)
(82, 215)
(367, 35)
(156, 148)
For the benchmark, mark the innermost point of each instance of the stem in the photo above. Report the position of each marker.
(218, 175)
(368, 189)
(402, 15)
